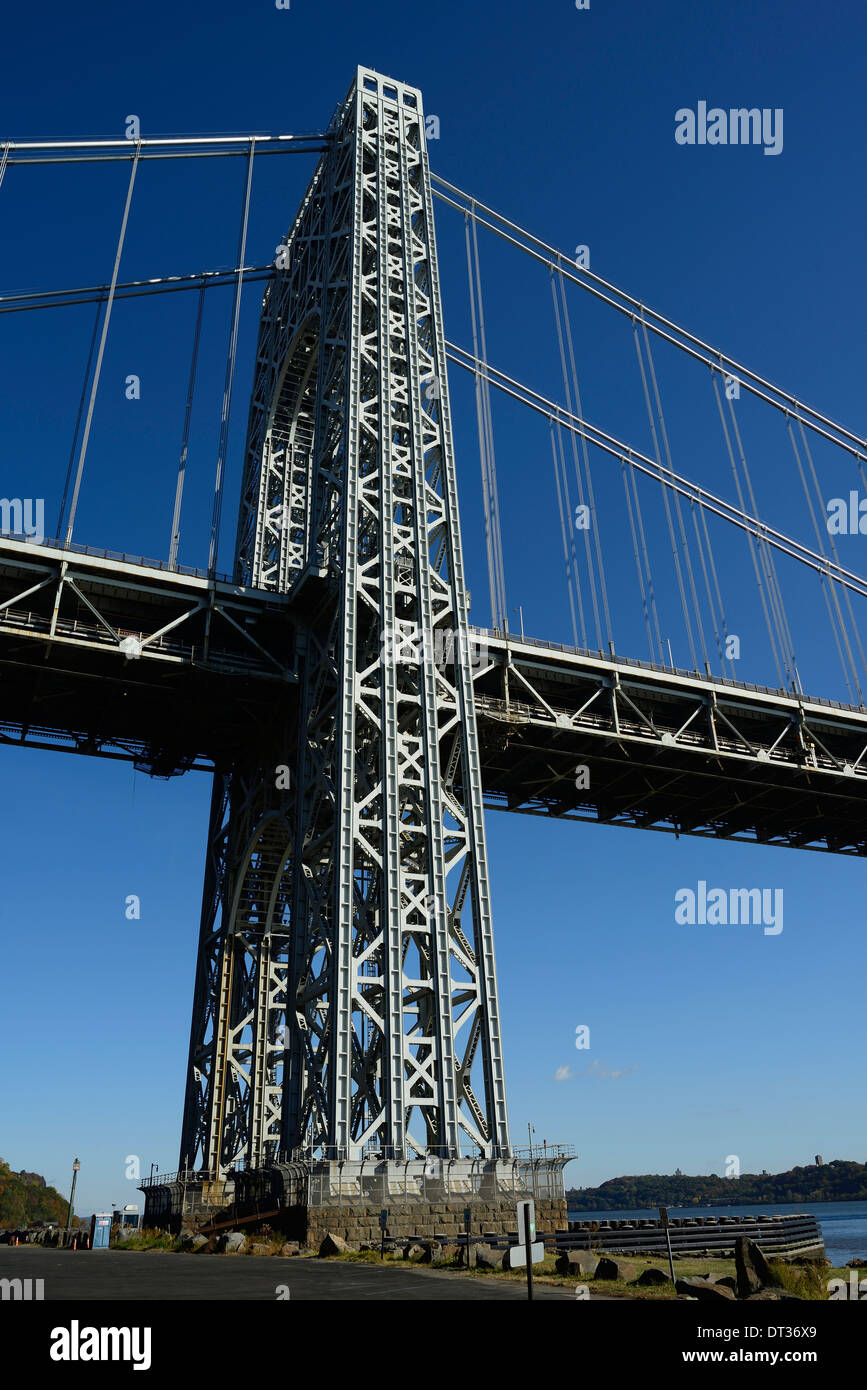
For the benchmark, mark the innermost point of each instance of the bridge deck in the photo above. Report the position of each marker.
(661, 749)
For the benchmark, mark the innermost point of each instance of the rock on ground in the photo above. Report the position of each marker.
(334, 1245)
(577, 1262)
(753, 1271)
(232, 1243)
(615, 1269)
(704, 1290)
(486, 1257)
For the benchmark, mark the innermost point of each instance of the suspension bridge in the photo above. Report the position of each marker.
(346, 1042)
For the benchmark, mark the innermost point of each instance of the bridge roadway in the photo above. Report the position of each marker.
(116, 657)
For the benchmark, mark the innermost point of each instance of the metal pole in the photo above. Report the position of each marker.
(75, 1167)
(529, 1246)
(663, 1216)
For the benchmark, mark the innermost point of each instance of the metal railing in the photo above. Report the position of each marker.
(694, 675)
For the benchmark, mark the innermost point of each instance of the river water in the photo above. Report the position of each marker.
(843, 1224)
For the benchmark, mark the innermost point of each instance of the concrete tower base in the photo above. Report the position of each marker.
(426, 1198)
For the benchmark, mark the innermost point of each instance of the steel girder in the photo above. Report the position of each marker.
(376, 949)
(666, 750)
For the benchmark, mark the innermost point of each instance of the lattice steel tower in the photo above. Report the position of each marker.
(346, 997)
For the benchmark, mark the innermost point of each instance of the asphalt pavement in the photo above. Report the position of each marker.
(159, 1275)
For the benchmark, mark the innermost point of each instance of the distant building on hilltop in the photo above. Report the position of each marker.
(818, 1160)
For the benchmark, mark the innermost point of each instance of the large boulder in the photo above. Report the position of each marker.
(414, 1251)
(653, 1276)
(615, 1269)
(232, 1242)
(261, 1247)
(753, 1271)
(291, 1247)
(577, 1262)
(334, 1245)
(704, 1290)
(198, 1241)
(486, 1257)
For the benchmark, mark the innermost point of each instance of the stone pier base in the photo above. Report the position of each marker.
(424, 1220)
(426, 1198)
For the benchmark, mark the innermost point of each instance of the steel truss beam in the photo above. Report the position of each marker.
(668, 751)
(375, 949)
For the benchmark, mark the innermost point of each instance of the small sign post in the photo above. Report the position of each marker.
(526, 1237)
(383, 1222)
(663, 1216)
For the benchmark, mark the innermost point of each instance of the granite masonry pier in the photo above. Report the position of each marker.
(425, 1198)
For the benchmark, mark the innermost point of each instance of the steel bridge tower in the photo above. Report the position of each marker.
(346, 999)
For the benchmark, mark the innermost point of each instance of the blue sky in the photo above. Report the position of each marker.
(704, 1042)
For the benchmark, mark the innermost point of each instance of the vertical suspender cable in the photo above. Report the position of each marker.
(576, 578)
(182, 463)
(97, 370)
(230, 370)
(580, 483)
(648, 572)
(752, 543)
(586, 457)
(829, 590)
(683, 536)
(631, 515)
(82, 398)
(665, 500)
(565, 529)
(493, 491)
(704, 570)
(775, 596)
(833, 544)
(480, 422)
(719, 599)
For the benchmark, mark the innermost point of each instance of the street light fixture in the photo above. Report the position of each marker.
(75, 1167)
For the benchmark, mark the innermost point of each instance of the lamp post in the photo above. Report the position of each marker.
(75, 1167)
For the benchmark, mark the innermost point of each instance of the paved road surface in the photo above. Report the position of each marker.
(139, 1275)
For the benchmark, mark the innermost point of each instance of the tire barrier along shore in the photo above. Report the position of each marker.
(782, 1236)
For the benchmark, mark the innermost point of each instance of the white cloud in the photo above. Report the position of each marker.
(603, 1072)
